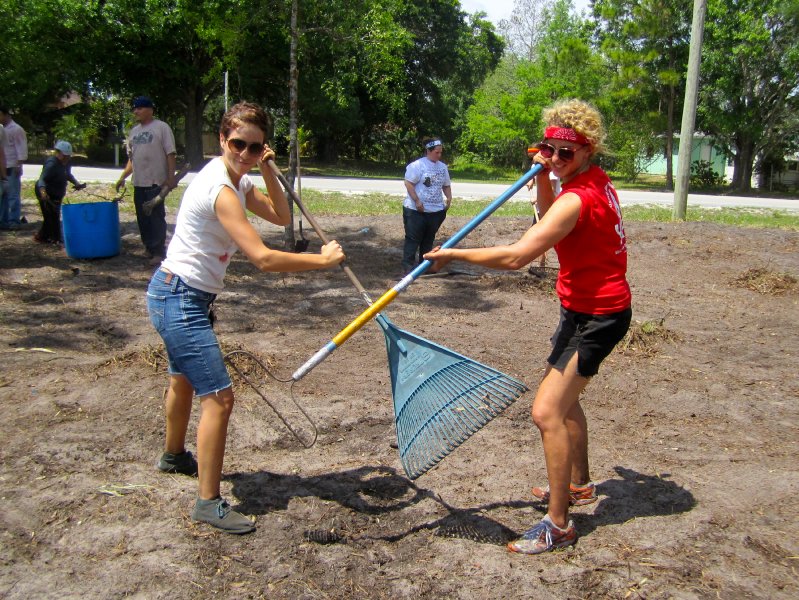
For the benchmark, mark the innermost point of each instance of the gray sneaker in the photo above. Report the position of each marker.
(219, 514)
(183, 463)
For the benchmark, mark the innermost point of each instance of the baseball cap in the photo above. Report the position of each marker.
(63, 147)
(143, 102)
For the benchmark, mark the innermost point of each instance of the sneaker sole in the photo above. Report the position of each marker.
(174, 471)
(242, 531)
(511, 548)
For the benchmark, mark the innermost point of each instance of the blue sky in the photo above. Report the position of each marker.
(501, 9)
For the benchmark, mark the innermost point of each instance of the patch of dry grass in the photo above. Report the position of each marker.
(646, 337)
(765, 282)
(154, 357)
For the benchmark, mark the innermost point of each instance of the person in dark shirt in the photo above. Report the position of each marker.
(50, 191)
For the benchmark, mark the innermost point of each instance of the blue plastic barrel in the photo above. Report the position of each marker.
(91, 229)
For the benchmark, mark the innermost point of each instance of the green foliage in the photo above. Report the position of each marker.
(377, 75)
(71, 129)
(646, 43)
(704, 177)
(37, 64)
(750, 77)
(506, 114)
(633, 151)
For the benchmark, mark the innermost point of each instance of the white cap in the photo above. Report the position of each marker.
(63, 147)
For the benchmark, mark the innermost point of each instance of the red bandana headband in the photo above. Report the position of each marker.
(565, 133)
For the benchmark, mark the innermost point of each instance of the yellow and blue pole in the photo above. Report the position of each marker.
(389, 296)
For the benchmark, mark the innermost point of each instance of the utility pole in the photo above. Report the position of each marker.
(689, 111)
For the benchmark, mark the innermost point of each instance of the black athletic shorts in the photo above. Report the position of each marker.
(593, 337)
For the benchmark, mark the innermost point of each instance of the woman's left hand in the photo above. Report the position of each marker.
(544, 162)
(440, 258)
(267, 155)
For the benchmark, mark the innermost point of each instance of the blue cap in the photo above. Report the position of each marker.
(63, 147)
(143, 102)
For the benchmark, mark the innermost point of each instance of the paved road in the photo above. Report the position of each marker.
(468, 191)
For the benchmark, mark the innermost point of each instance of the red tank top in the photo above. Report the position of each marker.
(593, 256)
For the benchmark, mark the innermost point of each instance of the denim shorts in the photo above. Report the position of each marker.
(592, 337)
(180, 314)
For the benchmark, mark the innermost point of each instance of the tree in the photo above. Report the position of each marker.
(350, 68)
(749, 95)
(173, 50)
(524, 29)
(506, 113)
(647, 42)
(37, 64)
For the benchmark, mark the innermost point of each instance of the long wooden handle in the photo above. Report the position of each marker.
(165, 189)
(319, 231)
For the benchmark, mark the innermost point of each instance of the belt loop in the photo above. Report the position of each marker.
(171, 279)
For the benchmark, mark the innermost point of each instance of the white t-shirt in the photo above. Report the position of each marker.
(148, 147)
(428, 178)
(15, 144)
(200, 250)
(3, 140)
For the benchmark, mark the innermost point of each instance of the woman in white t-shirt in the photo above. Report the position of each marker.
(211, 225)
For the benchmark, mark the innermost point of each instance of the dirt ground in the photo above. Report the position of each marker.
(693, 430)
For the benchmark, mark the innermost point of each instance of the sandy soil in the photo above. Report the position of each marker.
(693, 425)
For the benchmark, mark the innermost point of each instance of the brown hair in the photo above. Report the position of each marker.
(245, 112)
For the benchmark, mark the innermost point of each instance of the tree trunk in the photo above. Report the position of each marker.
(743, 163)
(193, 133)
(327, 149)
(670, 138)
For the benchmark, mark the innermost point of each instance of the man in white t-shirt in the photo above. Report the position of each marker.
(15, 146)
(424, 208)
(151, 159)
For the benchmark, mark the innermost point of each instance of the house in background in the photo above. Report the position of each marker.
(702, 149)
(787, 179)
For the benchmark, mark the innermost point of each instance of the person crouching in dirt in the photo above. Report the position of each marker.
(211, 225)
(50, 190)
(584, 224)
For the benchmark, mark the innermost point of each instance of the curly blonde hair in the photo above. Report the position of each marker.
(581, 116)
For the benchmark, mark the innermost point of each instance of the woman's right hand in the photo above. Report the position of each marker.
(440, 257)
(332, 253)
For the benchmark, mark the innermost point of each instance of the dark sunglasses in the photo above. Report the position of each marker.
(564, 154)
(237, 145)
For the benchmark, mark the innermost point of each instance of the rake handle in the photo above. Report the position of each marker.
(471, 225)
(388, 296)
(319, 231)
(150, 205)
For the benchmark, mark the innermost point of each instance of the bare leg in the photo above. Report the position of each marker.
(178, 411)
(558, 393)
(211, 439)
(578, 437)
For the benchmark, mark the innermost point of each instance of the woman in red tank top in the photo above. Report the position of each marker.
(584, 224)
